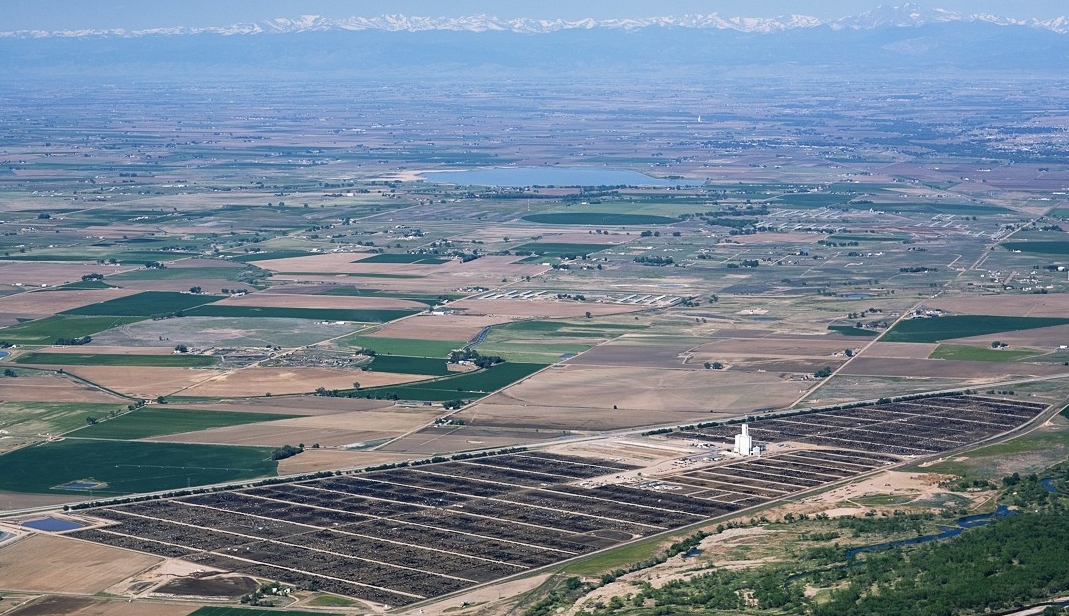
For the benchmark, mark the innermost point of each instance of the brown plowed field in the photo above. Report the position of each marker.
(46, 563)
(814, 346)
(946, 368)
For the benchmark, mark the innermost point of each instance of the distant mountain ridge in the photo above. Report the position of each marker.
(904, 16)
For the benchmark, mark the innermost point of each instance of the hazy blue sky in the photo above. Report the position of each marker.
(134, 14)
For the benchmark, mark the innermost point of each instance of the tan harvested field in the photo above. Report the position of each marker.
(290, 300)
(19, 500)
(48, 563)
(904, 350)
(582, 398)
(37, 273)
(140, 381)
(313, 460)
(81, 606)
(52, 388)
(550, 308)
(946, 368)
(336, 430)
(257, 381)
(297, 405)
(432, 441)
(438, 327)
(1049, 305)
(39, 304)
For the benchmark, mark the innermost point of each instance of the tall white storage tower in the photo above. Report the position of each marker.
(743, 442)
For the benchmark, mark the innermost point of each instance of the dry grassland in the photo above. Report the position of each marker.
(336, 430)
(461, 328)
(52, 388)
(549, 308)
(47, 563)
(775, 238)
(39, 304)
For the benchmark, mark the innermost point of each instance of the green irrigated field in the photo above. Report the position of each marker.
(179, 273)
(1044, 247)
(597, 218)
(84, 284)
(145, 304)
(160, 420)
(850, 330)
(963, 326)
(90, 359)
(318, 314)
(465, 386)
(971, 353)
(403, 258)
(410, 365)
(129, 466)
(269, 255)
(50, 329)
(552, 249)
(410, 347)
(87, 253)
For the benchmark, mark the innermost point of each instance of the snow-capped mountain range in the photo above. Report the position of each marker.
(904, 16)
